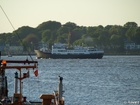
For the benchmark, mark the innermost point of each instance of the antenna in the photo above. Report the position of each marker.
(15, 31)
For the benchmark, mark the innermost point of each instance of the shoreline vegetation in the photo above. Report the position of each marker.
(113, 39)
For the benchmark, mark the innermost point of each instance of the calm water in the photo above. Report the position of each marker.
(113, 80)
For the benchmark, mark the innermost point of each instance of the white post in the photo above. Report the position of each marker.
(60, 89)
(16, 83)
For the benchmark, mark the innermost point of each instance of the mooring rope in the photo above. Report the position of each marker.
(16, 32)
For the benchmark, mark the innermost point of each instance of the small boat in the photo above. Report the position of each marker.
(62, 51)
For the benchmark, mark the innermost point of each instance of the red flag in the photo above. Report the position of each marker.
(36, 73)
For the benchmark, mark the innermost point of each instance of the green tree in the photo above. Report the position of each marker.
(46, 35)
(76, 34)
(116, 41)
(50, 25)
(79, 42)
(4, 38)
(62, 38)
(70, 26)
(130, 33)
(23, 32)
(30, 42)
(131, 25)
(97, 31)
(88, 41)
(136, 37)
(62, 32)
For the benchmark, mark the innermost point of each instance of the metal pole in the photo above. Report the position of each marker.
(6, 87)
(16, 85)
(60, 89)
(20, 86)
(16, 82)
(0, 54)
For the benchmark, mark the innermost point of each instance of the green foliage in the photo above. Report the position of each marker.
(70, 26)
(30, 41)
(136, 37)
(51, 25)
(130, 25)
(110, 37)
(62, 38)
(46, 35)
(130, 33)
(4, 38)
(31, 38)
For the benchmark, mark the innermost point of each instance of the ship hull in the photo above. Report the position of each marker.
(41, 54)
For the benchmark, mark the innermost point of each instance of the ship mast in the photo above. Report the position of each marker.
(69, 39)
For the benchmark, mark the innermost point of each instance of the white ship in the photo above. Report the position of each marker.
(62, 51)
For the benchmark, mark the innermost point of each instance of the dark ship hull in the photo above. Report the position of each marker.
(41, 54)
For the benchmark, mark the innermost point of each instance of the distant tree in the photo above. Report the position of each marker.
(110, 37)
(79, 42)
(30, 41)
(115, 30)
(9, 39)
(63, 30)
(51, 25)
(96, 42)
(130, 33)
(103, 39)
(136, 37)
(68, 29)
(4, 38)
(88, 41)
(98, 31)
(131, 25)
(116, 41)
(46, 35)
(70, 26)
(91, 30)
(76, 34)
(62, 38)
(23, 32)
(107, 28)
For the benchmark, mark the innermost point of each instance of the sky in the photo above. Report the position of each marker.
(81, 12)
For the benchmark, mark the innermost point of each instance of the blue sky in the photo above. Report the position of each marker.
(82, 12)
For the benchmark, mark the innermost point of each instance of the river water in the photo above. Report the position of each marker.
(113, 80)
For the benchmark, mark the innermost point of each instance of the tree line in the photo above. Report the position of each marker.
(111, 38)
